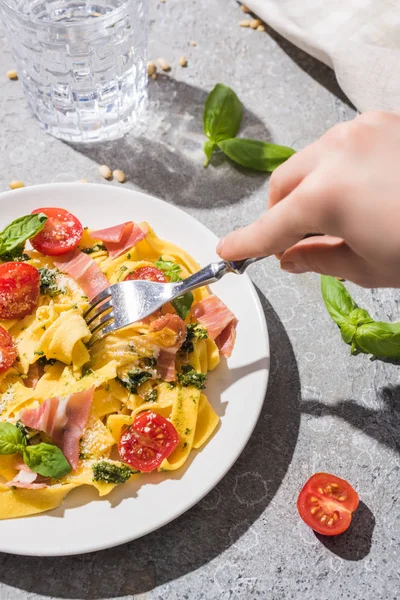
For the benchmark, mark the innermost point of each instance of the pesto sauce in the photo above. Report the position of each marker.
(189, 377)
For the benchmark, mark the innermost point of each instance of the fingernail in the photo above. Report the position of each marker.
(220, 245)
(292, 268)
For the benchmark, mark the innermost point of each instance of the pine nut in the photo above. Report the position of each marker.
(183, 61)
(105, 171)
(193, 43)
(244, 8)
(151, 68)
(255, 23)
(12, 74)
(119, 175)
(245, 23)
(14, 185)
(163, 64)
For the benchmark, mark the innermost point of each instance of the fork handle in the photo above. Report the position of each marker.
(212, 273)
(239, 266)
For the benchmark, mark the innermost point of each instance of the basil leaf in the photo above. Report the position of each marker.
(209, 148)
(182, 304)
(222, 114)
(47, 460)
(169, 268)
(14, 236)
(255, 154)
(360, 316)
(379, 339)
(356, 324)
(337, 300)
(11, 439)
(348, 331)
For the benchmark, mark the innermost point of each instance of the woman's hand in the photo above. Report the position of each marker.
(346, 186)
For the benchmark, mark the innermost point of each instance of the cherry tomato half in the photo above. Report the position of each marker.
(19, 290)
(61, 233)
(149, 440)
(8, 351)
(326, 504)
(147, 273)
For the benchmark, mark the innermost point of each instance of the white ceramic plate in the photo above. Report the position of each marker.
(85, 522)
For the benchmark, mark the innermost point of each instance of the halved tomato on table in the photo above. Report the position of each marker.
(147, 273)
(326, 504)
(148, 441)
(61, 233)
(8, 351)
(19, 290)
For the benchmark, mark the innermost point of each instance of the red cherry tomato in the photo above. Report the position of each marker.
(149, 440)
(326, 503)
(19, 290)
(147, 273)
(61, 233)
(8, 351)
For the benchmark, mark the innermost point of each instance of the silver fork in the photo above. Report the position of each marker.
(127, 302)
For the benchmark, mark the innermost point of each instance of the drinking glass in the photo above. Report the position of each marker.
(82, 64)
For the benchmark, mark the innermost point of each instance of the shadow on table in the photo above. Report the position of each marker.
(163, 155)
(383, 425)
(204, 532)
(321, 73)
(355, 543)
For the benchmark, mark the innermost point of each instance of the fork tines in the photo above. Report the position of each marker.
(99, 315)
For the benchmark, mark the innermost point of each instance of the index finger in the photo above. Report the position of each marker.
(292, 172)
(312, 208)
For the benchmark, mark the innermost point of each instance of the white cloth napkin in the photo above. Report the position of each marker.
(359, 39)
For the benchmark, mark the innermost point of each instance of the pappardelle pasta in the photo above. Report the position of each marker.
(133, 402)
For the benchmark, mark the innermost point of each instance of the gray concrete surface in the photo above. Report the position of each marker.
(324, 410)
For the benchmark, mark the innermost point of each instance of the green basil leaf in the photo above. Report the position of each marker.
(47, 460)
(169, 268)
(209, 148)
(182, 304)
(360, 316)
(222, 113)
(15, 235)
(255, 154)
(354, 350)
(348, 331)
(379, 339)
(337, 300)
(11, 439)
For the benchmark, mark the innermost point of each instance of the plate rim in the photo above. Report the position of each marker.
(92, 547)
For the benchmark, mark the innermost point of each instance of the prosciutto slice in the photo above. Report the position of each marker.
(120, 238)
(26, 479)
(219, 321)
(34, 374)
(110, 234)
(84, 270)
(63, 419)
(170, 333)
(226, 339)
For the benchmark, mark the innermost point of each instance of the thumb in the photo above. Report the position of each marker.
(327, 255)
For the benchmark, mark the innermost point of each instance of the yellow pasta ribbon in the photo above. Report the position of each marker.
(14, 399)
(63, 340)
(207, 422)
(21, 502)
(184, 418)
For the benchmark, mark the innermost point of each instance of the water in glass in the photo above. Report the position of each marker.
(82, 64)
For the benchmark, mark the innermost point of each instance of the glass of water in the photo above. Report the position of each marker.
(82, 63)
